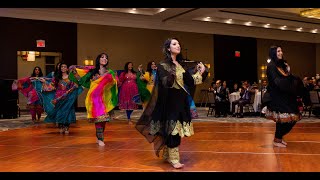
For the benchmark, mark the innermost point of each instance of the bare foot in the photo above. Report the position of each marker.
(279, 144)
(283, 142)
(101, 143)
(177, 165)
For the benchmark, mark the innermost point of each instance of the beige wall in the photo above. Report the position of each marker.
(142, 45)
(300, 56)
(137, 45)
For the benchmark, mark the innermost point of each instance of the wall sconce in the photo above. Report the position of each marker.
(31, 56)
(208, 66)
(28, 55)
(263, 68)
(88, 61)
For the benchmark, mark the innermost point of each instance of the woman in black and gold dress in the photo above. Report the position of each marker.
(284, 90)
(167, 117)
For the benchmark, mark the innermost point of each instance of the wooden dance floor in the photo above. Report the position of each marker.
(215, 147)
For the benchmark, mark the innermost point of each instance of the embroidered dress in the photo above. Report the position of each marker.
(59, 101)
(102, 96)
(284, 91)
(32, 91)
(128, 89)
(150, 77)
(167, 114)
(144, 93)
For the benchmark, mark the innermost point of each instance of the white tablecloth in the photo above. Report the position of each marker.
(257, 101)
(236, 95)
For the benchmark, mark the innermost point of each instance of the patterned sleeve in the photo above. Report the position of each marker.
(197, 78)
(48, 85)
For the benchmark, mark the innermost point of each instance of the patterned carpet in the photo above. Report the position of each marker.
(25, 119)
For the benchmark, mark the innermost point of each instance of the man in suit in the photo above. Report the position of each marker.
(220, 99)
(264, 86)
(245, 97)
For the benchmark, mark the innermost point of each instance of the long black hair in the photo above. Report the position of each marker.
(149, 68)
(97, 67)
(273, 57)
(34, 72)
(126, 69)
(58, 75)
(167, 53)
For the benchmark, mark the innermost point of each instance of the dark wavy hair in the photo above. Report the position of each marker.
(97, 67)
(58, 75)
(126, 69)
(57, 67)
(34, 72)
(273, 56)
(149, 69)
(167, 53)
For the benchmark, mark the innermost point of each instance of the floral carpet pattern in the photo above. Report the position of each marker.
(25, 119)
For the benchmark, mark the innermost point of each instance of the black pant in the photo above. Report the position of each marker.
(222, 107)
(283, 128)
(173, 141)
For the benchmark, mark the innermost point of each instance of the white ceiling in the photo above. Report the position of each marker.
(180, 19)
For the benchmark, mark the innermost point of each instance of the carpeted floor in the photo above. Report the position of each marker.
(25, 119)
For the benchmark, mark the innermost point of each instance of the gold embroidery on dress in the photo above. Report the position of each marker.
(174, 157)
(165, 154)
(154, 127)
(197, 78)
(185, 129)
(178, 82)
(101, 118)
(282, 117)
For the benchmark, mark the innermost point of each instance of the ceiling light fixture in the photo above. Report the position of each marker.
(248, 23)
(229, 21)
(283, 27)
(267, 26)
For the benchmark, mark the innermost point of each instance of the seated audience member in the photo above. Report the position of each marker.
(220, 99)
(245, 96)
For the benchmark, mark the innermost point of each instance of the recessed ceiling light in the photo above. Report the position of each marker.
(266, 25)
(207, 19)
(99, 9)
(162, 9)
(229, 21)
(283, 27)
(248, 23)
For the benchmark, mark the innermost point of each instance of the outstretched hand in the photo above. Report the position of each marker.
(201, 68)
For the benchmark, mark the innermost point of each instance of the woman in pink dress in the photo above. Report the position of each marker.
(128, 90)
